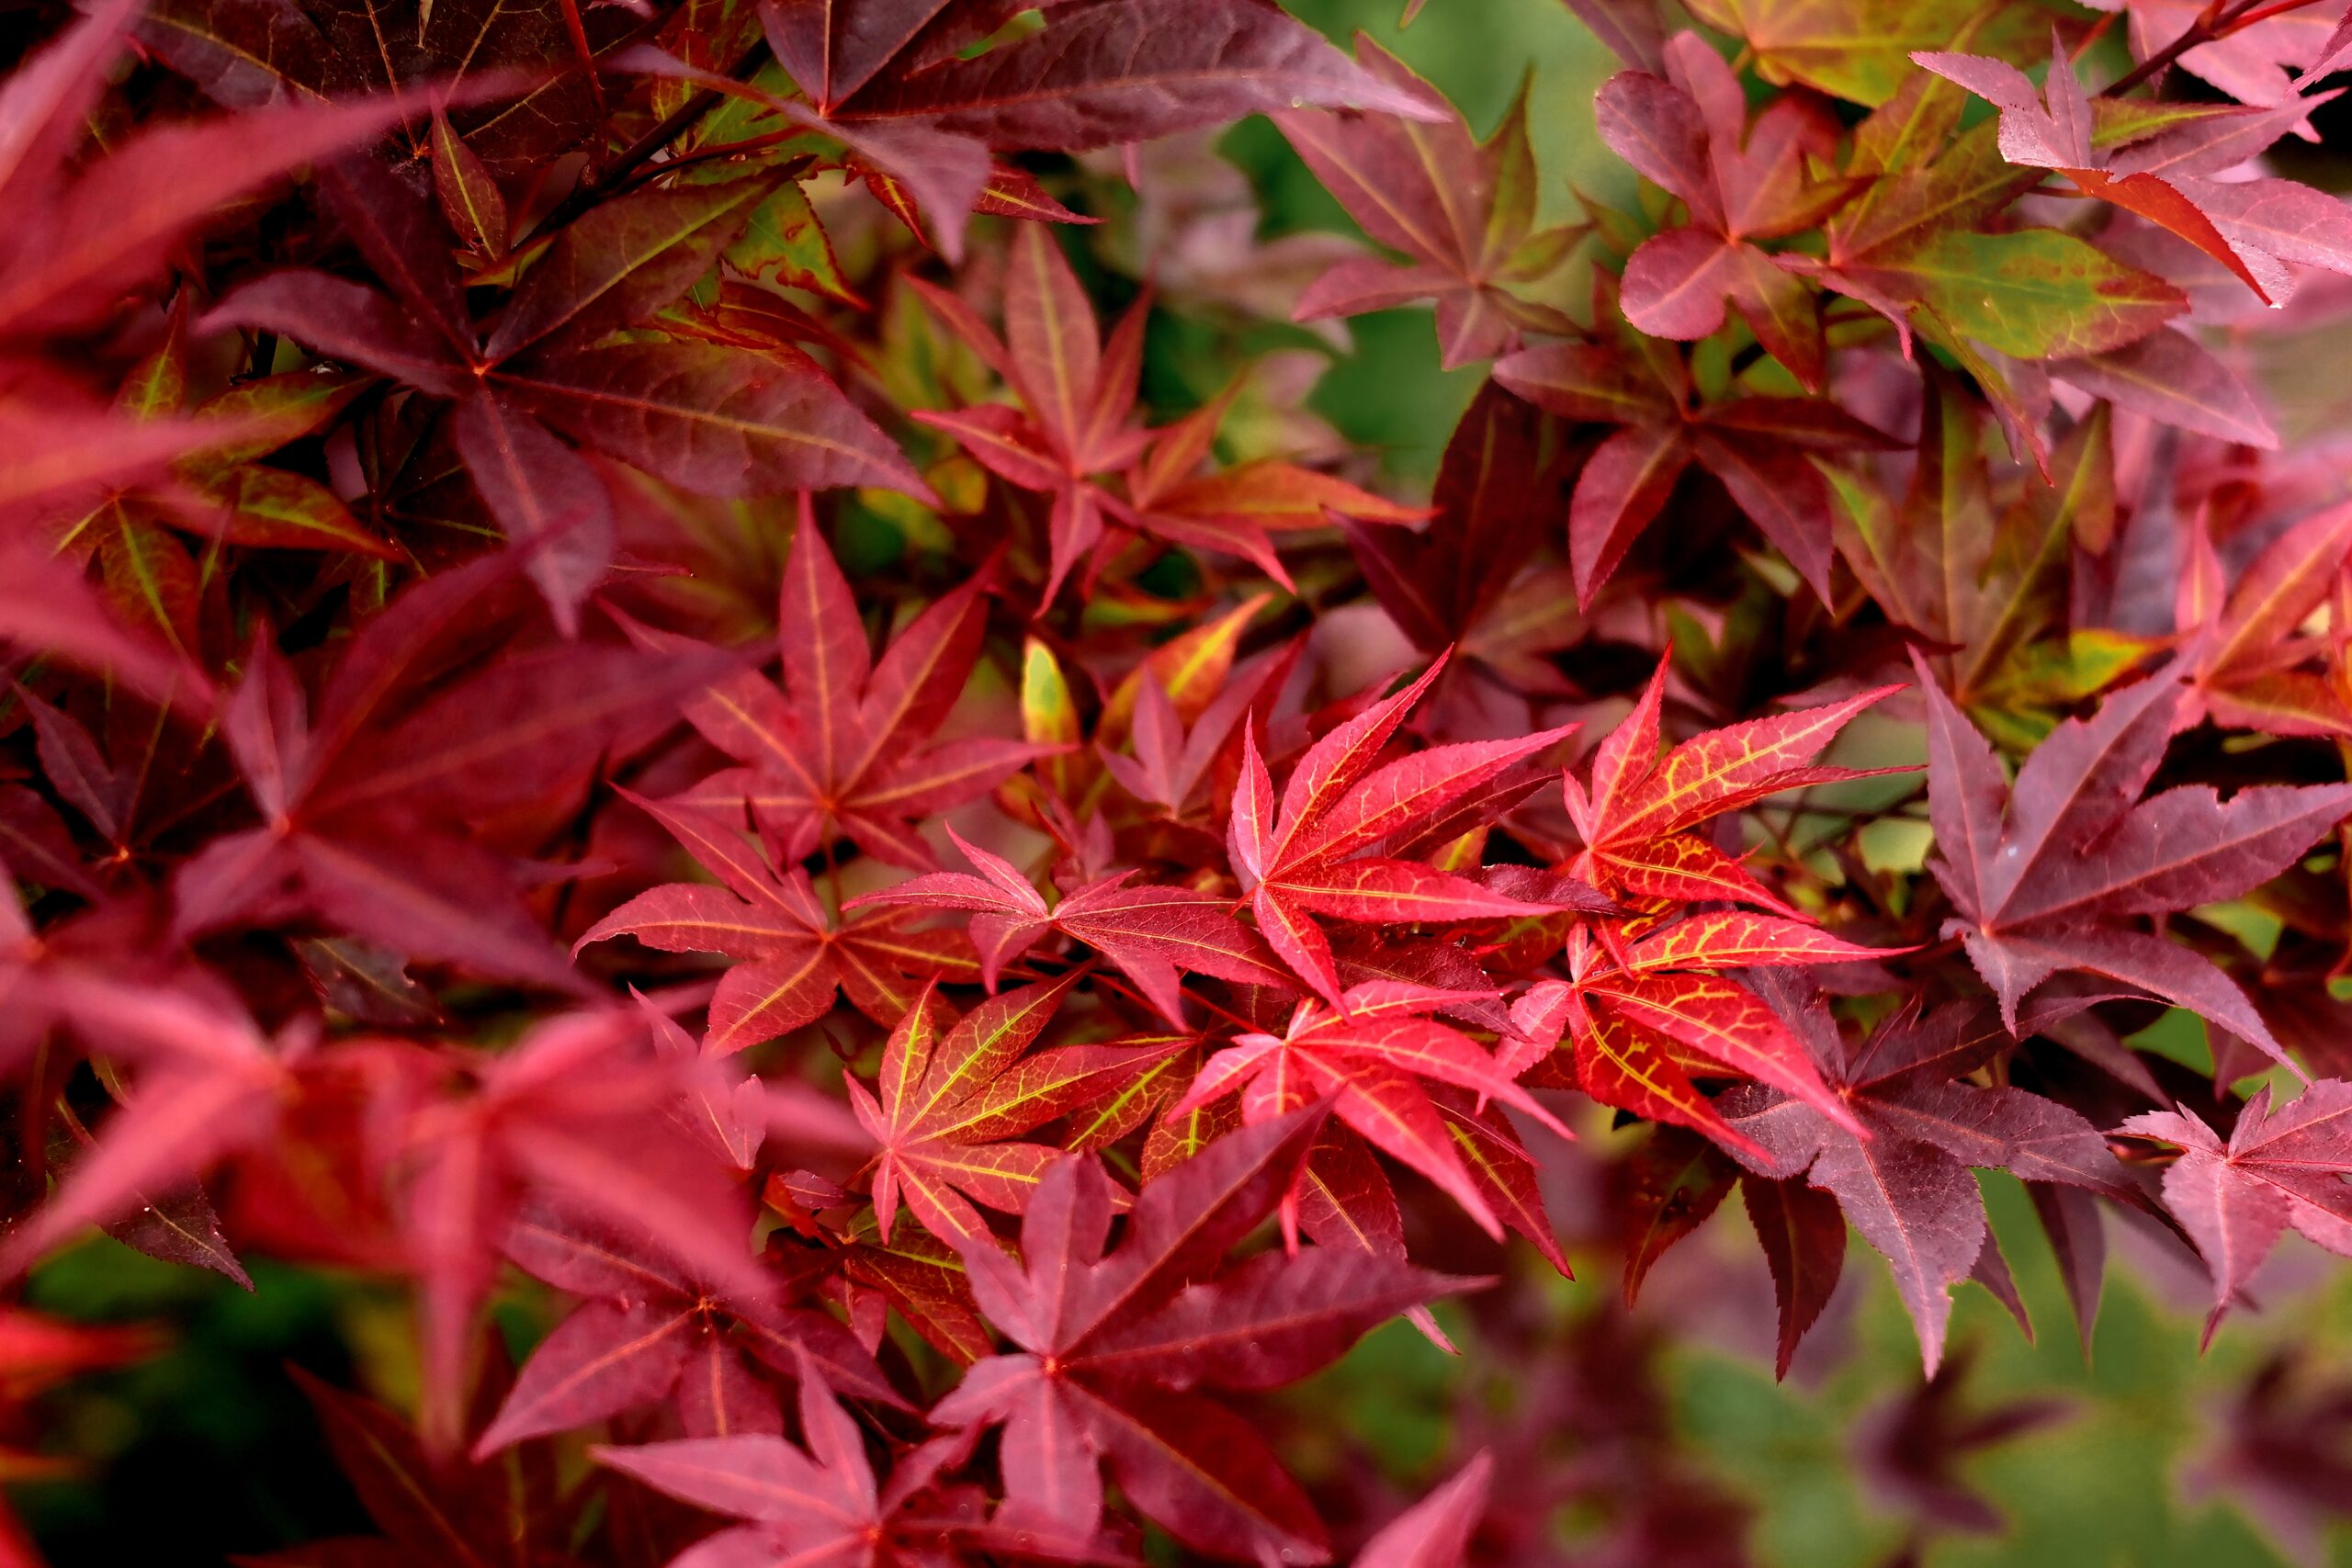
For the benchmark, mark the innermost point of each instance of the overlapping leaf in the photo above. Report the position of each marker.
(1149, 933)
(791, 957)
(841, 751)
(1373, 1054)
(1319, 856)
(953, 1096)
(1740, 184)
(1113, 1348)
(722, 421)
(2055, 872)
(1761, 447)
(2282, 1166)
(1462, 212)
(1636, 809)
(1897, 1159)
(1078, 430)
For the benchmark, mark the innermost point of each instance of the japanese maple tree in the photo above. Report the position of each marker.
(716, 705)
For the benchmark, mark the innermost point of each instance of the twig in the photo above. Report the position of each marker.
(2217, 21)
(597, 183)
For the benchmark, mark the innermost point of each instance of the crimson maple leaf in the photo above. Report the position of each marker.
(903, 87)
(821, 1505)
(1149, 933)
(95, 233)
(1897, 1159)
(207, 1084)
(1173, 763)
(709, 418)
(1636, 811)
(1462, 211)
(119, 786)
(791, 957)
(951, 1092)
(728, 1116)
(2282, 1166)
(1761, 447)
(1320, 856)
(1435, 1532)
(649, 1330)
(1344, 1198)
(1506, 477)
(92, 232)
(914, 1274)
(1076, 429)
(1689, 136)
(841, 751)
(1920, 244)
(128, 532)
(2247, 672)
(368, 795)
(1113, 1348)
(1366, 1056)
(1237, 510)
(1971, 562)
(1644, 1015)
(2055, 873)
(575, 1113)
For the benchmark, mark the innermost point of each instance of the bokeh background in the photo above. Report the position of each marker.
(1652, 1437)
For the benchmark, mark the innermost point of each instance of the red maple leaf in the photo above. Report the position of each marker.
(845, 749)
(791, 957)
(1368, 1056)
(369, 794)
(1645, 1014)
(2247, 672)
(908, 94)
(2282, 1166)
(1690, 135)
(2162, 178)
(1076, 429)
(575, 1113)
(2055, 872)
(1636, 811)
(1760, 447)
(823, 1505)
(649, 1330)
(1460, 584)
(1113, 1347)
(207, 1084)
(710, 418)
(1320, 856)
(1149, 933)
(952, 1092)
(1898, 1158)
(1462, 211)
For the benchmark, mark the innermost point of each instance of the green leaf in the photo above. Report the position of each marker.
(269, 413)
(2035, 294)
(785, 243)
(1860, 50)
(273, 509)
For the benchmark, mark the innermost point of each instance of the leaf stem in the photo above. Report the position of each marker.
(598, 183)
(2217, 20)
